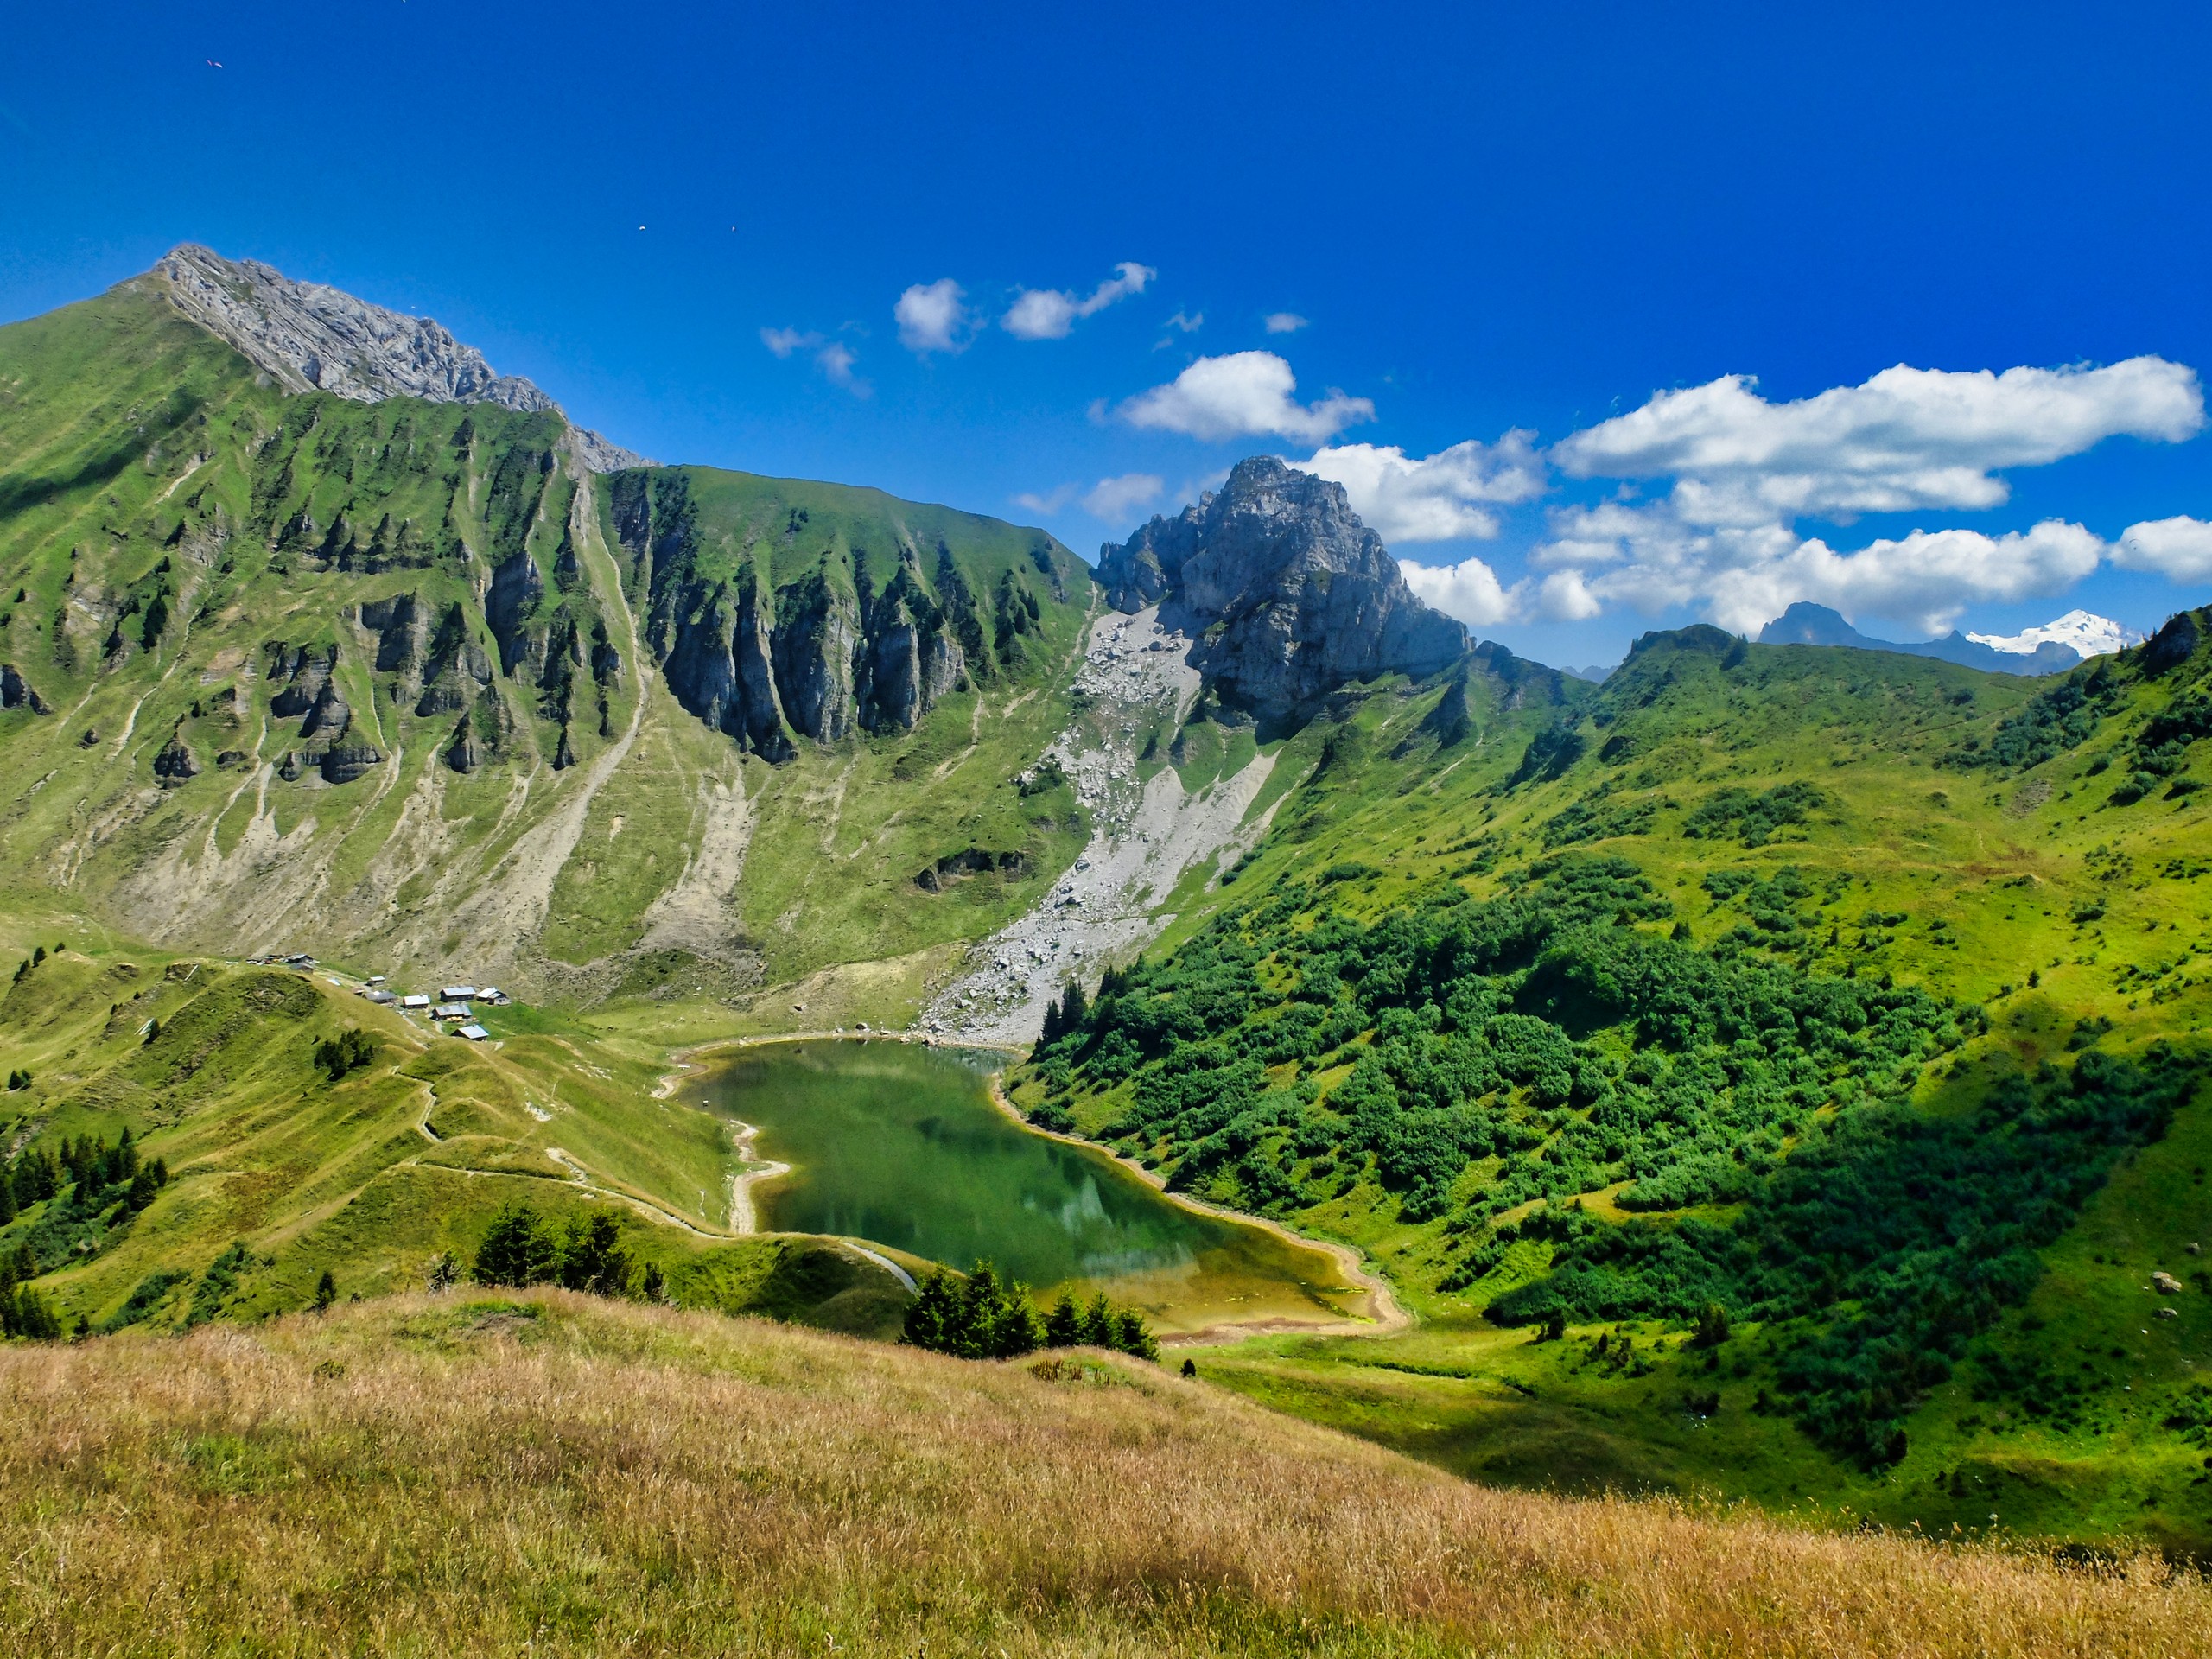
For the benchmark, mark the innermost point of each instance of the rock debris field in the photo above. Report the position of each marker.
(1145, 834)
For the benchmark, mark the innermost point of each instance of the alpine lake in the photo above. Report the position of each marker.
(900, 1144)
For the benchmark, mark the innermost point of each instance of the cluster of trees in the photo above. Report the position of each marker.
(1758, 818)
(523, 1248)
(1544, 1029)
(93, 1175)
(983, 1317)
(350, 1051)
(2062, 718)
(1065, 1016)
(24, 1310)
(1895, 1236)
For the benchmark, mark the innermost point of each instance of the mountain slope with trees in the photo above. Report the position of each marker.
(1751, 1063)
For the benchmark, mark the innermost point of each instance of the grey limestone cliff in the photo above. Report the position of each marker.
(307, 337)
(1287, 594)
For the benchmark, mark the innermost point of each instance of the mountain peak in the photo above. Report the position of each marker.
(2080, 631)
(309, 336)
(1290, 595)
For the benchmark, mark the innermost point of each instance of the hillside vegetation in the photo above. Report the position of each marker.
(469, 1474)
(406, 683)
(1776, 1072)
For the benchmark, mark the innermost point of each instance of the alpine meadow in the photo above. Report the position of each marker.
(607, 1055)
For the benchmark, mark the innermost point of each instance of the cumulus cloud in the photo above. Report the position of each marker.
(1115, 498)
(1244, 394)
(1048, 313)
(1743, 576)
(1439, 498)
(934, 317)
(1284, 323)
(1469, 590)
(1722, 539)
(2178, 548)
(1907, 438)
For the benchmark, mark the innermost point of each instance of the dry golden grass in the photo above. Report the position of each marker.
(439, 1477)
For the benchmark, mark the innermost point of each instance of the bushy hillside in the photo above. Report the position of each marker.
(470, 1474)
(1780, 1072)
(407, 682)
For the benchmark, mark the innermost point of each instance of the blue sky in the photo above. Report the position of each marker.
(1485, 220)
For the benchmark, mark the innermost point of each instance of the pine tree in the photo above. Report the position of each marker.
(516, 1250)
(1063, 1324)
(326, 1292)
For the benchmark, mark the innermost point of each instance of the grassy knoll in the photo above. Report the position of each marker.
(471, 1473)
(1857, 995)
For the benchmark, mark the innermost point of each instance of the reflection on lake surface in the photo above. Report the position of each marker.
(901, 1145)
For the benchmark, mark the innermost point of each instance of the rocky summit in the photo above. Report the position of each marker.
(1287, 594)
(307, 337)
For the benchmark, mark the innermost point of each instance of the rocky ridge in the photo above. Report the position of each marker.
(1287, 594)
(307, 337)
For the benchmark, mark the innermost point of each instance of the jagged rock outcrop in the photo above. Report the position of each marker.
(330, 716)
(343, 762)
(307, 337)
(174, 764)
(464, 754)
(401, 625)
(814, 658)
(16, 692)
(1287, 594)
(305, 672)
(972, 861)
(457, 670)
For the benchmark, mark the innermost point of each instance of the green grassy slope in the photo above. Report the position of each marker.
(473, 1474)
(1857, 994)
(177, 540)
(275, 1173)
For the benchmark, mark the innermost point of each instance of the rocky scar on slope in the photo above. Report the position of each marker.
(1287, 594)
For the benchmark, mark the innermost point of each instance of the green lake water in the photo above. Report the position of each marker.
(900, 1145)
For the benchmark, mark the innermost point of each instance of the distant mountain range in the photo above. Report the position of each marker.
(2051, 649)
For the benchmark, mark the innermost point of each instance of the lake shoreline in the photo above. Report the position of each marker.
(1390, 1316)
(1387, 1316)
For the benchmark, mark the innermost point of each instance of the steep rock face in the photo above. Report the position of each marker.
(458, 668)
(306, 671)
(307, 337)
(401, 625)
(812, 658)
(1290, 594)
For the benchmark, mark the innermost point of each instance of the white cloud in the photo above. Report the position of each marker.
(1049, 502)
(1742, 576)
(834, 358)
(836, 361)
(1723, 540)
(1469, 590)
(1244, 394)
(1048, 313)
(1285, 322)
(2178, 548)
(1115, 498)
(784, 342)
(933, 316)
(1441, 498)
(1907, 438)
(1189, 325)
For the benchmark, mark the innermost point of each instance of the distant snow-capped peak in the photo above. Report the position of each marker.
(2092, 636)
